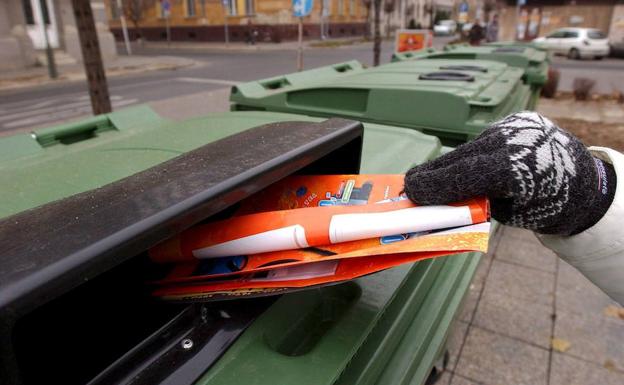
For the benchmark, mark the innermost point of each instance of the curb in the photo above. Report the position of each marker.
(24, 82)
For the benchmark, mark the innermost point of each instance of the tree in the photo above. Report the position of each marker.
(377, 34)
(133, 10)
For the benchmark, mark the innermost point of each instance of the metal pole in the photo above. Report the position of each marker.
(124, 27)
(49, 53)
(168, 27)
(225, 23)
(376, 32)
(300, 49)
(402, 13)
(517, 20)
(91, 57)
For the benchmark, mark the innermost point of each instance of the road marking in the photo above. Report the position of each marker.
(40, 111)
(208, 81)
(63, 114)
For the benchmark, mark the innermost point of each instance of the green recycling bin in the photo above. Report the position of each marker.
(452, 99)
(532, 60)
(386, 328)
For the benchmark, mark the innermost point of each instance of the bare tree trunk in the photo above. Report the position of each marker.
(377, 33)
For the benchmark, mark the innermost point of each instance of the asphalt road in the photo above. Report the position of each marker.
(217, 69)
(41, 106)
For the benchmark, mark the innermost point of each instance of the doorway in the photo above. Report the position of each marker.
(40, 13)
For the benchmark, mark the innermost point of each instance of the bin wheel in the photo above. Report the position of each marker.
(438, 368)
(574, 54)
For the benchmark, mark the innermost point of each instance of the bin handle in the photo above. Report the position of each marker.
(465, 67)
(73, 132)
(447, 76)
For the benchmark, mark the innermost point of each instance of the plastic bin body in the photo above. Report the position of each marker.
(386, 328)
(402, 94)
(532, 60)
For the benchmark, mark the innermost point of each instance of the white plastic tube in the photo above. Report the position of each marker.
(351, 227)
(286, 238)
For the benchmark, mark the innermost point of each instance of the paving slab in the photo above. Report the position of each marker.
(459, 380)
(593, 337)
(455, 343)
(518, 282)
(494, 359)
(567, 370)
(524, 249)
(528, 321)
(445, 378)
(470, 303)
(576, 294)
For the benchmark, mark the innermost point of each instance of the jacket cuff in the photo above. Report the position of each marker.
(598, 252)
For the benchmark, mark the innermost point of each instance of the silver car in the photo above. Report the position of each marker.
(576, 43)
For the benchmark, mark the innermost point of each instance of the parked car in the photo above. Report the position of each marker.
(445, 28)
(576, 43)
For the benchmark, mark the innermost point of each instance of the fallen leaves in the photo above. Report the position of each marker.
(560, 345)
(614, 311)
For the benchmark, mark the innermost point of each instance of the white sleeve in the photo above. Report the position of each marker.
(598, 252)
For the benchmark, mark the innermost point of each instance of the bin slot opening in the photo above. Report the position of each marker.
(275, 84)
(74, 132)
(473, 68)
(343, 68)
(447, 76)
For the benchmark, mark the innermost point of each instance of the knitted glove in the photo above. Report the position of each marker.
(537, 176)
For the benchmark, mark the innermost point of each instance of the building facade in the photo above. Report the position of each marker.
(25, 24)
(206, 20)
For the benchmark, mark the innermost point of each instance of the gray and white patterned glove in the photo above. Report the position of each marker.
(537, 176)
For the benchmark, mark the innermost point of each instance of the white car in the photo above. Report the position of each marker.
(576, 43)
(445, 28)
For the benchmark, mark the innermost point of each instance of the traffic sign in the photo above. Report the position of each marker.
(166, 5)
(302, 8)
(463, 7)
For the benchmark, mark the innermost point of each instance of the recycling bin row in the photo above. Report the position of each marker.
(533, 60)
(452, 95)
(85, 201)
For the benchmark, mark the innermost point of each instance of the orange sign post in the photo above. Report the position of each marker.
(413, 39)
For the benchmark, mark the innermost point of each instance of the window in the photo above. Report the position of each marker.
(45, 13)
(28, 12)
(231, 4)
(190, 8)
(340, 7)
(114, 9)
(250, 8)
(327, 7)
(351, 7)
(161, 9)
(556, 35)
(596, 35)
(570, 35)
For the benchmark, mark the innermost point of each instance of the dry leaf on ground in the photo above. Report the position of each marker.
(614, 311)
(560, 345)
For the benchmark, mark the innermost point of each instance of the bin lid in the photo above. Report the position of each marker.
(105, 149)
(39, 171)
(530, 59)
(439, 94)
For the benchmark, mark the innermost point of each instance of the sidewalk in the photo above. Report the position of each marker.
(242, 46)
(532, 319)
(605, 111)
(71, 71)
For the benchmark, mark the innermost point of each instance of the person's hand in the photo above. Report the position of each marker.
(537, 176)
